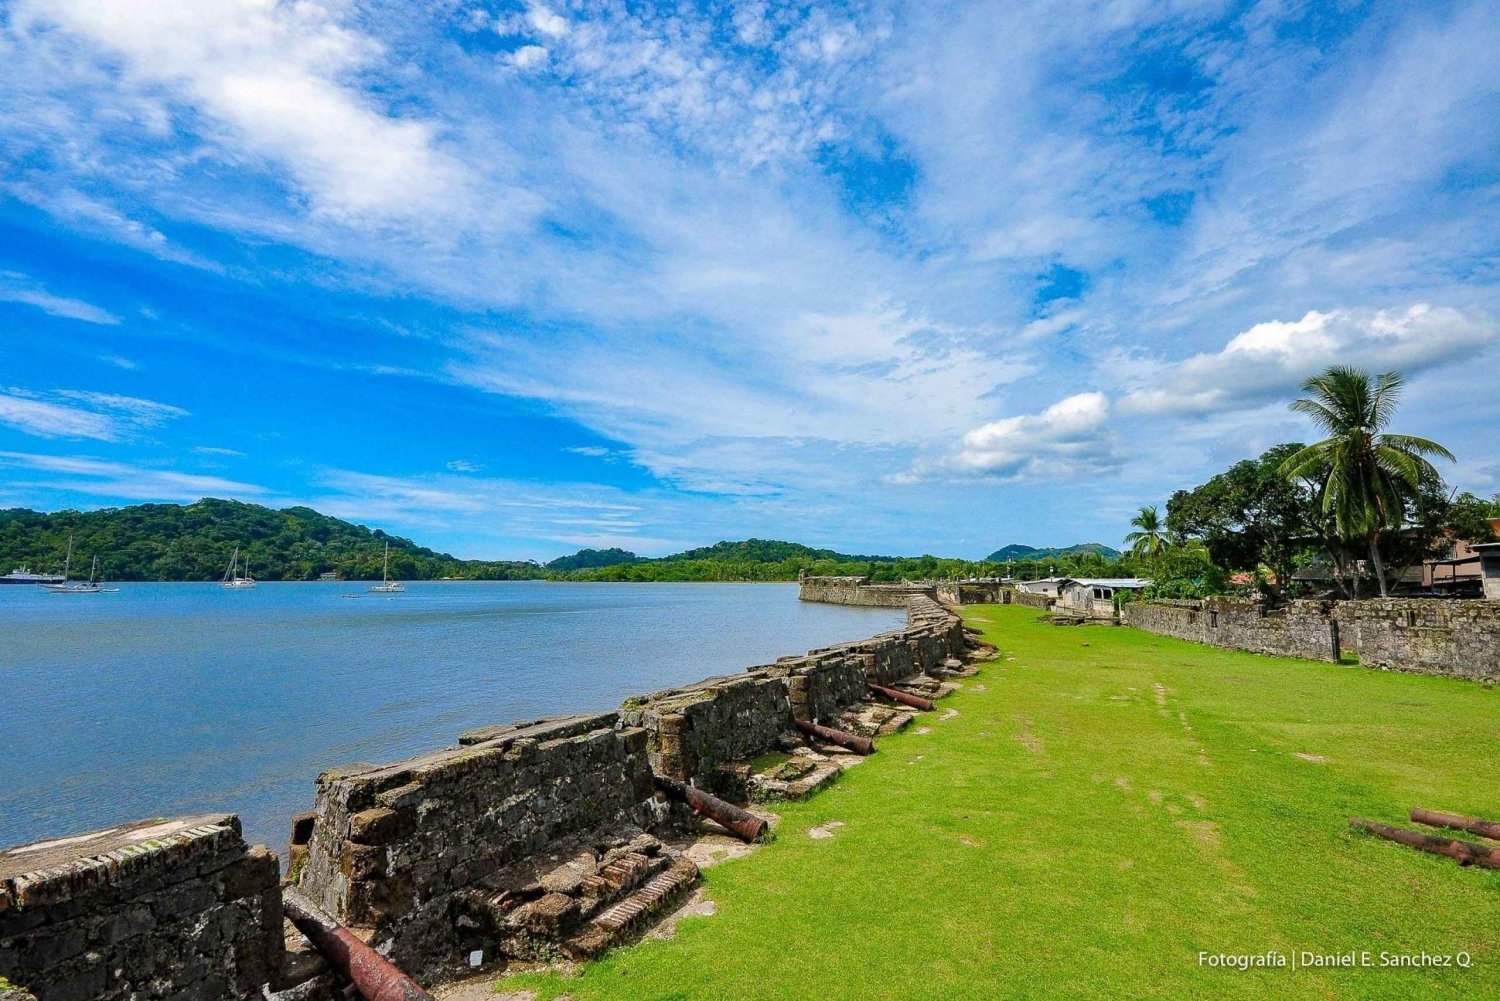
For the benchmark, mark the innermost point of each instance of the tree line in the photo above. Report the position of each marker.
(194, 542)
(1362, 505)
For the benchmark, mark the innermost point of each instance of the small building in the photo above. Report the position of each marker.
(1094, 597)
(1047, 586)
(1489, 565)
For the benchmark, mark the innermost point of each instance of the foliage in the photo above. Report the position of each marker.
(1014, 552)
(1149, 538)
(1064, 837)
(1471, 517)
(1248, 516)
(158, 542)
(1366, 475)
(590, 559)
(1186, 571)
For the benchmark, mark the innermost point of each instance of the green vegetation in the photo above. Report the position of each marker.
(1361, 495)
(1106, 805)
(1015, 553)
(194, 542)
(592, 559)
(1366, 474)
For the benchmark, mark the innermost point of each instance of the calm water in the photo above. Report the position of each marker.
(180, 698)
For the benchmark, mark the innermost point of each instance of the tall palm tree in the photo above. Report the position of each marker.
(1365, 472)
(1149, 537)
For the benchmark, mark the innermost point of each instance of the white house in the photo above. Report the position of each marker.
(1094, 597)
(1047, 586)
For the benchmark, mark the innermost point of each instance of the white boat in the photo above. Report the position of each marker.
(24, 575)
(233, 577)
(65, 586)
(386, 585)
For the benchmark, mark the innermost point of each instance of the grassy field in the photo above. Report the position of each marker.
(1107, 805)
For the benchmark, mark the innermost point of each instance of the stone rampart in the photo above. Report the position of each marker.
(859, 591)
(1303, 630)
(400, 848)
(1457, 638)
(160, 909)
(693, 733)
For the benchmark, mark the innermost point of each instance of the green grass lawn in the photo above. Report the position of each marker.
(1107, 805)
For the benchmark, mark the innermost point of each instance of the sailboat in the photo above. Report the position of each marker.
(386, 585)
(92, 586)
(232, 577)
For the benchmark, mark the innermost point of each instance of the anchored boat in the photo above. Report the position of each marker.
(233, 578)
(386, 585)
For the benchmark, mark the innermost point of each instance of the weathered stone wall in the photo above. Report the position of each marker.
(159, 909)
(1424, 635)
(859, 591)
(692, 732)
(394, 846)
(1030, 599)
(1304, 630)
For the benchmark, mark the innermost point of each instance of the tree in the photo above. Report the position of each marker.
(1248, 516)
(1149, 538)
(1366, 474)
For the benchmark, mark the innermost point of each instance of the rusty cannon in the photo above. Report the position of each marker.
(743, 824)
(905, 698)
(1462, 852)
(374, 976)
(1474, 825)
(849, 741)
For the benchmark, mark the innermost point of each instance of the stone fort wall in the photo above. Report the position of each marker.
(423, 857)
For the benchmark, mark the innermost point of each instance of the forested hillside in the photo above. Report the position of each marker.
(159, 542)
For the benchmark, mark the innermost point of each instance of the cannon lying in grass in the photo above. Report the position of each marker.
(1462, 852)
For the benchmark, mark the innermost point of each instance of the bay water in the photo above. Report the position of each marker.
(170, 699)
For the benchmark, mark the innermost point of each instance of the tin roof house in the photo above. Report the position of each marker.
(1094, 597)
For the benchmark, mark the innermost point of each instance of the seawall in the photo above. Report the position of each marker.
(520, 841)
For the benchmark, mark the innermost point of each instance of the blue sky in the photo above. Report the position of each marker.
(515, 278)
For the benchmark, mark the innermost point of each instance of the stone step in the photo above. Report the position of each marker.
(631, 914)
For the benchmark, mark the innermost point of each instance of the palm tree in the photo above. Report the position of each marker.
(1149, 537)
(1365, 474)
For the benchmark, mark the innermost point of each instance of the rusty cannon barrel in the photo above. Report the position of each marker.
(1474, 825)
(905, 698)
(374, 976)
(743, 824)
(1462, 852)
(850, 741)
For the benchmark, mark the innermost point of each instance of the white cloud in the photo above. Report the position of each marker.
(548, 23)
(1272, 358)
(71, 413)
(1070, 438)
(273, 76)
(464, 466)
(123, 481)
(16, 287)
(528, 57)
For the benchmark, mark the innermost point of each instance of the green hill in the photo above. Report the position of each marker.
(159, 542)
(593, 559)
(1015, 552)
(769, 551)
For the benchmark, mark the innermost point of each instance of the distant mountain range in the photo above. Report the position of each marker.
(165, 542)
(1014, 552)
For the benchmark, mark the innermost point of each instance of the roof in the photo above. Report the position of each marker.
(1486, 546)
(1126, 583)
